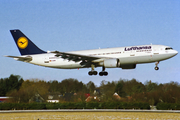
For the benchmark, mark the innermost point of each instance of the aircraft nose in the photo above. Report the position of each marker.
(175, 52)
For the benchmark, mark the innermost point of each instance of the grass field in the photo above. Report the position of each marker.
(90, 116)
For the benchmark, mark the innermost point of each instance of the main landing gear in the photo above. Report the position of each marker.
(103, 72)
(93, 72)
(156, 68)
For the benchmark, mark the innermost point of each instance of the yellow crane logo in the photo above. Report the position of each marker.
(22, 42)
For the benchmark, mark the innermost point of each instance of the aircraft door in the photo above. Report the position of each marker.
(46, 59)
(132, 53)
(155, 50)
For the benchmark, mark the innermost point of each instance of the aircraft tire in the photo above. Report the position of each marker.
(95, 72)
(100, 73)
(105, 73)
(156, 68)
(90, 73)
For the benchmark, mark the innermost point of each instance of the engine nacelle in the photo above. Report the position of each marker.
(111, 63)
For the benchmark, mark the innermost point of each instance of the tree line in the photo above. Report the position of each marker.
(21, 91)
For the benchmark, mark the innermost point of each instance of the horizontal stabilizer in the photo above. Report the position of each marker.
(21, 58)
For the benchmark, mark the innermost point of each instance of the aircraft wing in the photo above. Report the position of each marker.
(21, 58)
(85, 59)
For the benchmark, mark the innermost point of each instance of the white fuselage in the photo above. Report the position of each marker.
(126, 55)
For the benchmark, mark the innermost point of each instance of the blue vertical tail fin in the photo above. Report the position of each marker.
(24, 44)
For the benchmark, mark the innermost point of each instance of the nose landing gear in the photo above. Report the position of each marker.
(156, 68)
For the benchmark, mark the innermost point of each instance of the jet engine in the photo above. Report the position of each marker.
(111, 63)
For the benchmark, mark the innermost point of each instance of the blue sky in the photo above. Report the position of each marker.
(69, 25)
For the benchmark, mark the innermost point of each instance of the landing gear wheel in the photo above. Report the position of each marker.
(156, 68)
(95, 72)
(92, 73)
(103, 73)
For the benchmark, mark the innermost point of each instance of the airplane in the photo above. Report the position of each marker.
(120, 57)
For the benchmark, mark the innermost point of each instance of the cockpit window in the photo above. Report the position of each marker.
(169, 48)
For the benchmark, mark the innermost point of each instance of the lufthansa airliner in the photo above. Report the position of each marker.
(120, 57)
